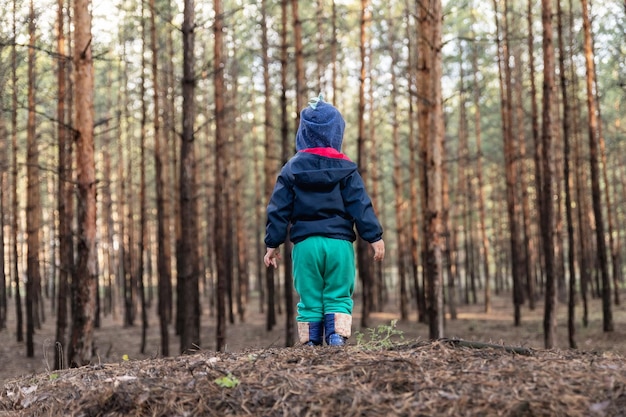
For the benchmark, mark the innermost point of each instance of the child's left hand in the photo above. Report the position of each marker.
(271, 257)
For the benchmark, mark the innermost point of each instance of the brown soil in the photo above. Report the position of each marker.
(370, 377)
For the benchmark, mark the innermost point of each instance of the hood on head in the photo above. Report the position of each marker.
(321, 126)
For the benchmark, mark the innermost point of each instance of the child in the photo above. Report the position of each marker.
(320, 194)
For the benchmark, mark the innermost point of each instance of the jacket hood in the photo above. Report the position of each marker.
(321, 126)
(313, 170)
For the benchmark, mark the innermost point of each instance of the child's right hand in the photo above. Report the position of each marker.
(379, 250)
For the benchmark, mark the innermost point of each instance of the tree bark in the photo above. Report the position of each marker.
(479, 178)
(270, 149)
(362, 261)
(547, 207)
(164, 249)
(607, 314)
(33, 205)
(510, 161)
(221, 198)
(414, 171)
(398, 182)
(187, 257)
(287, 150)
(64, 196)
(3, 192)
(15, 272)
(571, 245)
(85, 280)
(431, 142)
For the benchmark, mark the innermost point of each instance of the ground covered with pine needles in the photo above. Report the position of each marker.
(408, 378)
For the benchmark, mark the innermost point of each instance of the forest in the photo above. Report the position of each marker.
(140, 141)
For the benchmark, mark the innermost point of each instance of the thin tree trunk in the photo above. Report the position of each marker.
(398, 182)
(19, 320)
(187, 256)
(529, 250)
(299, 53)
(571, 255)
(3, 192)
(64, 195)
(85, 280)
(479, 177)
(413, 181)
(547, 208)
(129, 276)
(450, 249)
(614, 245)
(462, 198)
(287, 151)
(607, 314)
(33, 221)
(510, 161)
(270, 149)
(143, 221)
(170, 161)
(362, 261)
(534, 122)
(164, 249)
(221, 204)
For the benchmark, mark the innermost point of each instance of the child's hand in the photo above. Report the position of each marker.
(379, 250)
(271, 257)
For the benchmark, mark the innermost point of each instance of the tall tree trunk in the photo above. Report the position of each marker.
(431, 141)
(299, 52)
(362, 261)
(527, 240)
(170, 155)
(373, 157)
(221, 204)
(143, 221)
(287, 151)
(64, 195)
(614, 245)
(15, 272)
(398, 181)
(571, 254)
(534, 122)
(462, 198)
(33, 221)
(129, 276)
(413, 179)
(607, 314)
(479, 177)
(85, 280)
(270, 149)
(510, 161)
(450, 248)
(187, 256)
(164, 249)
(547, 208)
(3, 192)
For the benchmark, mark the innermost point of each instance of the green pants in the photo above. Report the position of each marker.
(323, 273)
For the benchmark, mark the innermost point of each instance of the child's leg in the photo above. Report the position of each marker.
(308, 282)
(339, 287)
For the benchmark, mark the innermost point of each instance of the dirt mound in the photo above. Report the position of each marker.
(404, 379)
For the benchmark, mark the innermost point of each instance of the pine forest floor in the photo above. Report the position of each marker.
(502, 370)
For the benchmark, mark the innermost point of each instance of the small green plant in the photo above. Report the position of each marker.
(380, 337)
(227, 381)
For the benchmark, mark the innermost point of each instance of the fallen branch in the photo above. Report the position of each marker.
(482, 345)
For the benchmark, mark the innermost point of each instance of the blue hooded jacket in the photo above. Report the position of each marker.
(319, 191)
